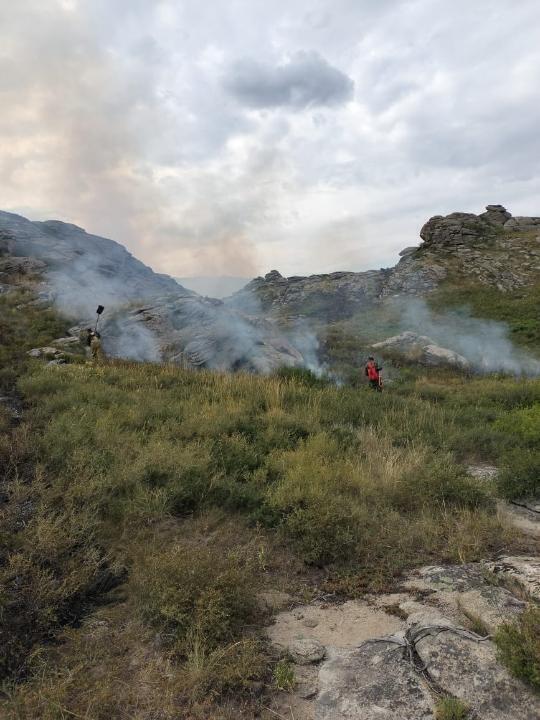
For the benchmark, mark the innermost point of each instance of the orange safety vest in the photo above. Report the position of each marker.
(371, 371)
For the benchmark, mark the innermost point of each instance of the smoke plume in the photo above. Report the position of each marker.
(486, 344)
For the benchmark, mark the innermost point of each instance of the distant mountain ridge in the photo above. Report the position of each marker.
(218, 286)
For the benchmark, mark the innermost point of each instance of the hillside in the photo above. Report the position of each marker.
(148, 316)
(181, 544)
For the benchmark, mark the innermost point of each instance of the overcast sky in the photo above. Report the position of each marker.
(237, 136)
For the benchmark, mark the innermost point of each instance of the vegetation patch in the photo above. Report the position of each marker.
(518, 644)
(450, 708)
(113, 466)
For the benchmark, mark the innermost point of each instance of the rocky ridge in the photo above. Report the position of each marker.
(494, 249)
(148, 316)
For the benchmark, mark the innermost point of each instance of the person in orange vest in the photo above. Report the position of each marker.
(374, 374)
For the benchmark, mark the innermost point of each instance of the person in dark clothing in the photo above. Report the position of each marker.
(374, 374)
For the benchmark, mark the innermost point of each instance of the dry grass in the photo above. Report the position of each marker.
(193, 491)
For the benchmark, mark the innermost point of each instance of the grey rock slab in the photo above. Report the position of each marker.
(483, 471)
(372, 682)
(469, 670)
(422, 349)
(65, 341)
(522, 518)
(465, 593)
(44, 352)
(491, 605)
(520, 571)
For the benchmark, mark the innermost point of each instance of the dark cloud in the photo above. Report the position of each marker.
(306, 80)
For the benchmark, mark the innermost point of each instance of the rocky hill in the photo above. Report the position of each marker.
(493, 249)
(148, 316)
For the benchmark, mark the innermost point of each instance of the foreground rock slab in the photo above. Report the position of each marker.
(372, 682)
(345, 625)
(468, 670)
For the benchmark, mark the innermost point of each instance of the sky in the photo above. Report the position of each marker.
(231, 137)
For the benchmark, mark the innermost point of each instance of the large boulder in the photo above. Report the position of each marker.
(496, 214)
(421, 349)
(456, 229)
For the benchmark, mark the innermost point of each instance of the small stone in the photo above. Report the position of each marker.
(305, 651)
(307, 692)
(310, 622)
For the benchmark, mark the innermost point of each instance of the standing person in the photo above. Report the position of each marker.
(88, 342)
(374, 374)
(95, 346)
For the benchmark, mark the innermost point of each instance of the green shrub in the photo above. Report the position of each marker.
(194, 595)
(49, 578)
(520, 474)
(523, 423)
(518, 645)
(439, 482)
(327, 531)
(450, 708)
(284, 675)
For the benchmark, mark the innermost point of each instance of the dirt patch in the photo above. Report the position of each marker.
(344, 626)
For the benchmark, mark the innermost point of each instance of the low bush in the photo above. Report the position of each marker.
(520, 474)
(450, 708)
(194, 597)
(518, 645)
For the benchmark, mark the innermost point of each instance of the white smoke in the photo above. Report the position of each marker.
(486, 344)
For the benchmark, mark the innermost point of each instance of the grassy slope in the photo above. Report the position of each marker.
(174, 497)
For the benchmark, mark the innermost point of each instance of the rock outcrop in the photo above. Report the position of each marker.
(421, 349)
(493, 248)
(394, 656)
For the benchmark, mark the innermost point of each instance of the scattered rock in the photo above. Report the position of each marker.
(306, 651)
(483, 471)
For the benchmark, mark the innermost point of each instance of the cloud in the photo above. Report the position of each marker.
(306, 80)
(135, 120)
